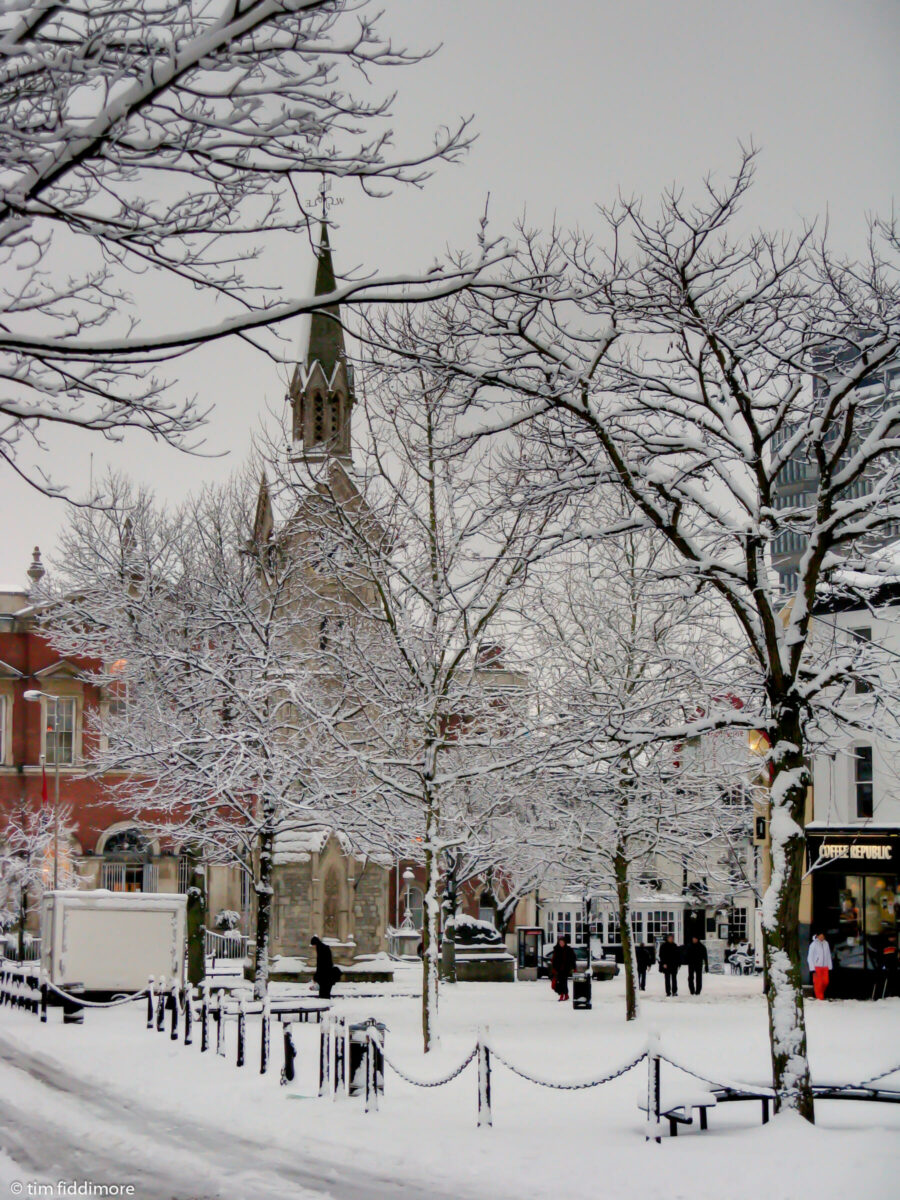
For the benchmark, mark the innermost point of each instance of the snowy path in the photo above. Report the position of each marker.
(55, 1126)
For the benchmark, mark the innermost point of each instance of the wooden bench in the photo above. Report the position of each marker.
(677, 1105)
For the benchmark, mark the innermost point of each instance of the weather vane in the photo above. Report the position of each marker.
(324, 199)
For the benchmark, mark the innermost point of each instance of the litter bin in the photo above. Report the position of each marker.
(358, 1036)
(73, 1012)
(581, 990)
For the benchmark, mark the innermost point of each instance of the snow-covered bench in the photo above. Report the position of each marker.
(677, 1105)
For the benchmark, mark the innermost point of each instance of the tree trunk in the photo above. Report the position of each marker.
(781, 915)
(196, 925)
(430, 937)
(263, 914)
(448, 945)
(23, 917)
(623, 898)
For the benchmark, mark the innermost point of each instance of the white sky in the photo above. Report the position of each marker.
(574, 100)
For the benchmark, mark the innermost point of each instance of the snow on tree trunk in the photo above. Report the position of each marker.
(263, 914)
(780, 920)
(430, 937)
(620, 864)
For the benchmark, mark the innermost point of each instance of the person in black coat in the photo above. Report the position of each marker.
(644, 958)
(562, 965)
(697, 960)
(669, 962)
(326, 973)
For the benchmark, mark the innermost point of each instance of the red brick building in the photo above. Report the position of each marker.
(101, 842)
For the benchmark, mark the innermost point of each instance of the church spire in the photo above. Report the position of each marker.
(322, 390)
(326, 337)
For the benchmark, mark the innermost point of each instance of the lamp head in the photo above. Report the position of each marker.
(31, 694)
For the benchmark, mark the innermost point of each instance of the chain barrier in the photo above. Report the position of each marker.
(748, 1089)
(883, 1075)
(569, 1087)
(97, 1003)
(755, 1090)
(431, 1083)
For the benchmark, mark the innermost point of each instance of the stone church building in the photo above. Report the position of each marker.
(321, 887)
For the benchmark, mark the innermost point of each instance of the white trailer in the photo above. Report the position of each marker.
(112, 941)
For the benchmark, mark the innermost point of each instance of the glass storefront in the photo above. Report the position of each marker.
(856, 903)
(858, 914)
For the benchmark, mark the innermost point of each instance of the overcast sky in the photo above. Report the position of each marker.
(574, 101)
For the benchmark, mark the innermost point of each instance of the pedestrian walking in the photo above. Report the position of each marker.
(669, 962)
(697, 962)
(326, 973)
(819, 959)
(644, 956)
(562, 965)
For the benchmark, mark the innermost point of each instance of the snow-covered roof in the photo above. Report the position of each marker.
(298, 845)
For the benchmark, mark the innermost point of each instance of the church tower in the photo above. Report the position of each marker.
(321, 392)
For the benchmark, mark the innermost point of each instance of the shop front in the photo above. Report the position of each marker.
(856, 903)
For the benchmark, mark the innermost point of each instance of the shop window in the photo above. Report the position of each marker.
(660, 923)
(737, 925)
(864, 781)
(566, 922)
(859, 915)
(613, 929)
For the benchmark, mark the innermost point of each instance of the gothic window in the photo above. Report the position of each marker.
(318, 417)
(332, 903)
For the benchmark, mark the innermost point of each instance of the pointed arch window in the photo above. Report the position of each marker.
(318, 417)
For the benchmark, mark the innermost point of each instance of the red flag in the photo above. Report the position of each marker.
(43, 783)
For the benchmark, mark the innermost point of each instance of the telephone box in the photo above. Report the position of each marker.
(531, 943)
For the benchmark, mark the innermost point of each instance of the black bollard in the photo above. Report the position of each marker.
(173, 1005)
(44, 992)
(188, 1015)
(220, 1027)
(150, 1002)
(264, 1035)
(241, 1022)
(161, 1006)
(290, 1055)
(204, 1019)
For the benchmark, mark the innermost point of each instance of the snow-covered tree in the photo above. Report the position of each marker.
(688, 363)
(156, 159)
(201, 632)
(625, 651)
(424, 563)
(32, 836)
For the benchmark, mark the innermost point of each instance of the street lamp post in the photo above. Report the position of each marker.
(37, 696)
(408, 879)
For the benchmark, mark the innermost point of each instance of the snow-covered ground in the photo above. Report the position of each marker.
(111, 1102)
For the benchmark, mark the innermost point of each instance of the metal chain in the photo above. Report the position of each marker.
(97, 1003)
(737, 1087)
(883, 1075)
(569, 1087)
(431, 1083)
(751, 1090)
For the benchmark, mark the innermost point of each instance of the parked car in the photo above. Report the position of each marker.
(601, 968)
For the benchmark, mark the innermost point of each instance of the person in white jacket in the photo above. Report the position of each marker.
(819, 959)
